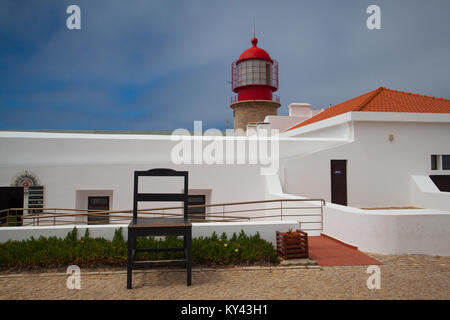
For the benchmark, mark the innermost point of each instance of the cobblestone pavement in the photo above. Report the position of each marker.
(402, 277)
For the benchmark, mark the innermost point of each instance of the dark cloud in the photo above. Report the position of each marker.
(160, 65)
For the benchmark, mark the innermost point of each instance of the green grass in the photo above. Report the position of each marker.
(94, 252)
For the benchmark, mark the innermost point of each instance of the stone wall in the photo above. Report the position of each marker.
(252, 111)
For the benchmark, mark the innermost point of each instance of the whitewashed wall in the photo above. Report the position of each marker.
(221, 183)
(379, 175)
(414, 231)
(425, 194)
(266, 229)
(378, 170)
(390, 231)
(73, 166)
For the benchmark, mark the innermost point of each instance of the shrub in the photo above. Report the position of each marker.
(91, 252)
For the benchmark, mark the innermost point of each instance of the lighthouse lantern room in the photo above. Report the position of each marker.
(254, 78)
(254, 75)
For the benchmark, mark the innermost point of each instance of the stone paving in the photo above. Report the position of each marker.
(402, 277)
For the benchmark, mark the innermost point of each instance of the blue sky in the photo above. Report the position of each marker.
(160, 65)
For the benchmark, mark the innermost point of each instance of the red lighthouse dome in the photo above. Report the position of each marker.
(254, 53)
(254, 75)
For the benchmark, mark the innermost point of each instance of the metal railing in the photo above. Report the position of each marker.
(307, 212)
(275, 97)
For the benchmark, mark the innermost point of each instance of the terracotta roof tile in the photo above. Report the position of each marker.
(383, 100)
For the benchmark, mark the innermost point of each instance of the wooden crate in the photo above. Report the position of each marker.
(292, 246)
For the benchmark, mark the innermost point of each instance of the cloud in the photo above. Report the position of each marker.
(160, 65)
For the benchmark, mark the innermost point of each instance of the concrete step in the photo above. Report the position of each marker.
(297, 262)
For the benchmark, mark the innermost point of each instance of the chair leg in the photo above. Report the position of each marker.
(188, 247)
(131, 248)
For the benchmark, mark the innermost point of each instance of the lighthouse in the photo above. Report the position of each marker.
(254, 79)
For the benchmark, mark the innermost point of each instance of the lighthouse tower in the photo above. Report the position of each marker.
(254, 78)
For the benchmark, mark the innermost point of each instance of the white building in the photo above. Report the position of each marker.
(398, 140)
(387, 151)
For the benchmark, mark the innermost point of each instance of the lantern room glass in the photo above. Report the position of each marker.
(256, 72)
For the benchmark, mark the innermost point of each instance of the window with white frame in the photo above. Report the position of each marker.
(440, 162)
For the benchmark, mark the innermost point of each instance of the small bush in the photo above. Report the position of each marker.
(92, 252)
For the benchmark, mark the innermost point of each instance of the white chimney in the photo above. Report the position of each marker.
(263, 128)
(300, 110)
(251, 128)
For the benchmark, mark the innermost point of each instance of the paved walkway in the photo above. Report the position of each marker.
(327, 251)
(402, 277)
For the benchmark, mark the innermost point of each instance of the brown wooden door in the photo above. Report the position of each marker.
(339, 182)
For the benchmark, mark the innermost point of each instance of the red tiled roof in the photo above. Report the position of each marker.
(383, 100)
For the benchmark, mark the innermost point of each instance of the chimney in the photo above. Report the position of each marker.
(263, 128)
(251, 128)
(300, 110)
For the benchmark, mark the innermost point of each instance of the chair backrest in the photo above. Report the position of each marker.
(140, 197)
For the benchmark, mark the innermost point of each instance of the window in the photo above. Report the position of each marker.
(100, 204)
(433, 162)
(254, 72)
(440, 162)
(445, 162)
(197, 213)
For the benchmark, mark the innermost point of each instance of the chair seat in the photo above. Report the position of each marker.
(160, 223)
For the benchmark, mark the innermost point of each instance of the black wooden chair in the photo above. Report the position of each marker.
(141, 227)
